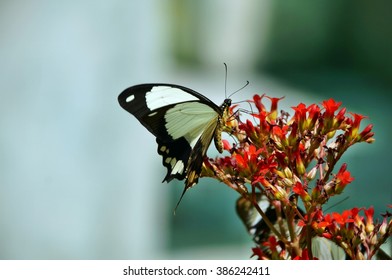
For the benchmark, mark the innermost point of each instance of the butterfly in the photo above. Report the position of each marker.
(184, 123)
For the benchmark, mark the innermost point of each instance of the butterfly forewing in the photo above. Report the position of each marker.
(189, 120)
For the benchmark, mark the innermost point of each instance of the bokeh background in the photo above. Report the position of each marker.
(80, 178)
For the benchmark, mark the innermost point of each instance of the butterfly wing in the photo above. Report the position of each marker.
(183, 121)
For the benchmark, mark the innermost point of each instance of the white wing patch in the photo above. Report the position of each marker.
(176, 166)
(130, 98)
(152, 114)
(189, 120)
(263, 204)
(161, 96)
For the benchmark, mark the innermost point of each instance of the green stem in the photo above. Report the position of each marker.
(268, 222)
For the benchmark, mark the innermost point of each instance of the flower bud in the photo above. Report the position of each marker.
(300, 165)
(369, 228)
(383, 228)
(288, 173)
(370, 140)
(331, 134)
(279, 193)
(312, 173)
(286, 182)
(280, 174)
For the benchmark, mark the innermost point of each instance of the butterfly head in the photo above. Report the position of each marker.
(226, 104)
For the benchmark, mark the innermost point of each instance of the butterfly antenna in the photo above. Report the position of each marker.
(179, 201)
(247, 83)
(244, 86)
(224, 63)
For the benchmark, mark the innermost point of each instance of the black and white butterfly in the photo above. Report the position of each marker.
(184, 123)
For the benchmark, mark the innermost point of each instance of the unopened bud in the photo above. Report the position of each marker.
(383, 228)
(288, 173)
(312, 173)
(286, 182)
(300, 165)
(369, 228)
(279, 193)
(280, 174)
(331, 134)
(370, 140)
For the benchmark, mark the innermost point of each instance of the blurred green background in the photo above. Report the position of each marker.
(80, 177)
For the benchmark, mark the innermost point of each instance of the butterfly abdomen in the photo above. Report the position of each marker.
(221, 124)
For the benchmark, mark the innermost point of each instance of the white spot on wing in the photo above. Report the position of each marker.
(130, 98)
(161, 96)
(264, 204)
(178, 168)
(152, 114)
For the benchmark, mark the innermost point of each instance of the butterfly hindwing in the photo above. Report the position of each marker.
(195, 161)
(175, 155)
(183, 121)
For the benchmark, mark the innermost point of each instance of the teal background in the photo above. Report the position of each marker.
(80, 178)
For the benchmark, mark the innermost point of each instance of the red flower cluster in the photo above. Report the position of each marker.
(286, 159)
(358, 235)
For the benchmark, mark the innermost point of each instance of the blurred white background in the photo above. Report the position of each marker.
(80, 178)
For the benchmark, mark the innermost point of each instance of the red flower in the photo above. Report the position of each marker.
(330, 123)
(369, 219)
(259, 253)
(343, 178)
(278, 134)
(343, 218)
(249, 159)
(300, 115)
(272, 244)
(314, 112)
(354, 127)
(330, 107)
(340, 117)
(248, 127)
(357, 120)
(280, 131)
(253, 132)
(301, 223)
(300, 190)
(366, 134)
(274, 107)
(264, 125)
(259, 105)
